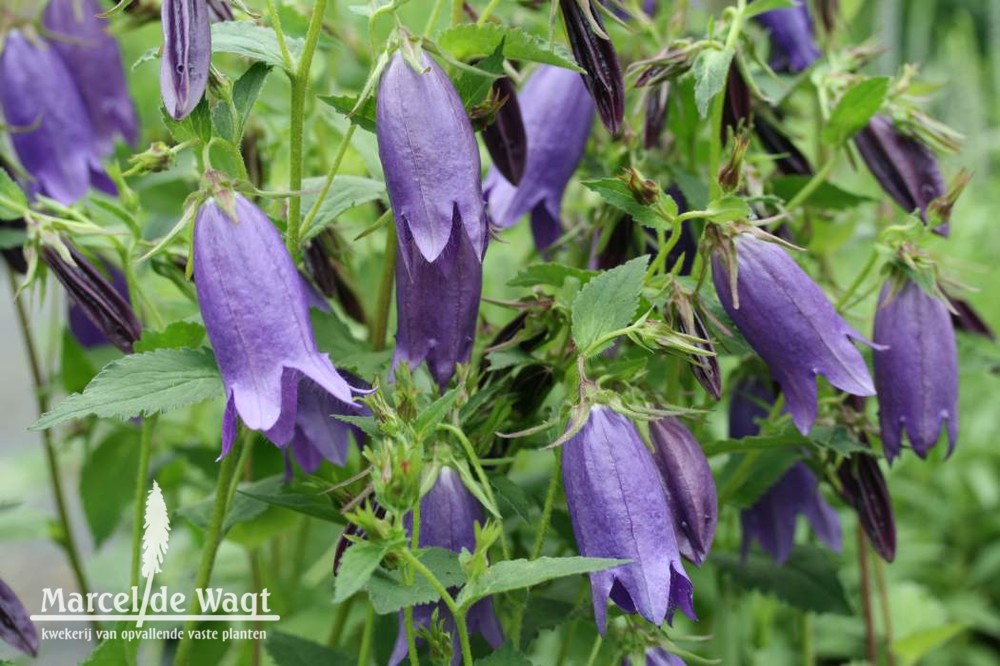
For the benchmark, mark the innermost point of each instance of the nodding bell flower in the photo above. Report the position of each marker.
(432, 171)
(319, 434)
(81, 326)
(690, 488)
(771, 520)
(750, 402)
(92, 57)
(99, 300)
(904, 167)
(917, 373)
(619, 509)
(595, 53)
(863, 487)
(16, 628)
(48, 119)
(254, 306)
(505, 137)
(448, 514)
(793, 43)
(789, 322)
(558, 114)
(657, 656)
(187, 55)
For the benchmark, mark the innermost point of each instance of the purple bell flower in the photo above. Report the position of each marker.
(37, 91)
(597, 57)
(92, 57)
(690, 488)
(319, 435)
(432, 170)
(917, 374)
(88, 334)
(750, 401)
(448, 514)
(863, 486)
(771, 520)
(187, 55)
(793, 43)
(16, 628)
(789, 322)
(256, 314)
(558, 114)
(657, 656)
(619, 509)
(505, 138)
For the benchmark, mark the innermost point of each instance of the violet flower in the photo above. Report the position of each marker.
(749, 402)
(771, 520)
(448, 514)
(789, 322)
(255, 312)
(964, 317)
(187, 55)
(917, 374)
(657, 656)
(788, 158)
(432, 170)
(319, 435)
(84, 330)
(558, 114)
(596, 54)
(863, 487)
(16, 628)
(618, 509)
(690, 488)
(505, 137)
(793, 43)
(92, 57)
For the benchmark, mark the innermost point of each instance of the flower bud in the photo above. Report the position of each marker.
(187, 55)
(505, 137)
(965, 318)
(80, 324)
(788, 158)
(737, 111)
(657, 109)
(322, 256)
(731, 172)
(595, 53)
(863, 487)
(16, 628)
(793, 44)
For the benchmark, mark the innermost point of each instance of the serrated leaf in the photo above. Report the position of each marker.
(13, 202)
(346, 192)
(827, 195)
(552, 275)
(711, 68)
(607, 303)
(117, 652)
(11, 237)
(356, 567)
(468, 41)
(913, 647)
(288, 650)
(855, 109)
(253, 41)
(511, 495)
(388, 593)
(246, 90)
(727, 209)
(107, 482)
(433, 414)
(197, 126)
(177, 334)
(240, 510)
(472, 86)
(298, 496)
(75, 368)
(142, 385)
(616, 192)
(507, 655)
(364, 117)
(517, 574)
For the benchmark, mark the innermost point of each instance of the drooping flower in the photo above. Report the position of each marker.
(749, 403)
(92, 57)
(84, 330)
(448, 514)
(432, 170)
(690, 488)
(255, 312)
(505, 138)
(558, 114)
(789, 322)
(596, 55)
(771, 520)
(904, 167)
(658, 656)
(187, 55)
(319, 435)
(793, 42)
(657, 112)
(863, 487)
(16, 628)
(619, 509)
(48, 120)
(916, 375)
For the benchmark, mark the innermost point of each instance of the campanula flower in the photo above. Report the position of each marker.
(16, 628)
(187, 55)
(917, 373)
(558, 114)
(81, 326)
(596, 54)
(448, 514)
(863, 487)
(319, 435)
(256, 314)
(793, 42)
(618, 509)
(749, 403)
(687, 478)
(658, 656)
(789, 322)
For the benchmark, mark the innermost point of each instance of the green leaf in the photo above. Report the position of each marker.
(758, 7)
(516, 574)
(552, 275)
(142, 385)
(388, 593)
(11, 237)
(727, 209)
(472, 86)
(363, 118)
(747, 476)
(222, 122)
(241, 509)
(345, 193)
(855, 109)
(711, 68)
(288, 650)
(117, 652)
(468, 41)
(616, 192)
(107, 482)
(913, 647)
(75, 368)
(13, 203)
(434, 413)
(301, 496)
(177, 334)
(197, 126)
(512, 496)
(607, 303)
(246, 90)
(507, 655)
(253, 41)
(356, 567)
(808, 580)
(827, 195)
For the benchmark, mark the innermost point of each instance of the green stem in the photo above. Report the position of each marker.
(411, 636)
(550, 500)
(715, 124)
(381, 321)
(457, 613)
(871, 646)
(286, 57)
(334, 168)
(592, 659)
(818, 179)
(487, 12)
(858, 280)
(365, 651)
(456, 11)
(340, 621)
(142, 474)
(808, 653)
(883, 599)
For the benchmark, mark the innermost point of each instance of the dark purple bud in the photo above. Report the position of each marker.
(187, 55)
(257, 317)
(690, 488)
(92, 57)
(789, 159)
(319, 434)
(558, 114)
(14, 256)
(80, 323)
(657, 656)
(793, 43)
(595, 53)
(530, 387)
(864, 488)
(617, 245)
(736, 110)
(323, 257)
(771, 520)
(829, 11)
(904, 167)
(965, 318)
(789, 322)
(916, 375)
(749, 403)
(657, 111)
(16, 628)
(220, 10)
(687, 244)
(619, 509)
(705, 368)
(96, 297)
(505, 138)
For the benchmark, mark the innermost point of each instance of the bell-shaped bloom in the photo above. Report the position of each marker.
(432, 171)
(657, 656)
(505, 138)
(81, 325)
(687, 478)
(187, 55)
(917, 373)
(904, 167)
(793, 42)
(16, 628)
(257, 317)
(558, 114)
(323, 259)
(771, 520)
(863, 487)
(91, 54)
(448, 514)
(749, 403)
(48, 120)
(596, 55)
(619, 509)
(319, 435)
(789, 322)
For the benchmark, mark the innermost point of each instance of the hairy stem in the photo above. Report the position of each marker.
(381, 321)
(365, 651)
(871, 647)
